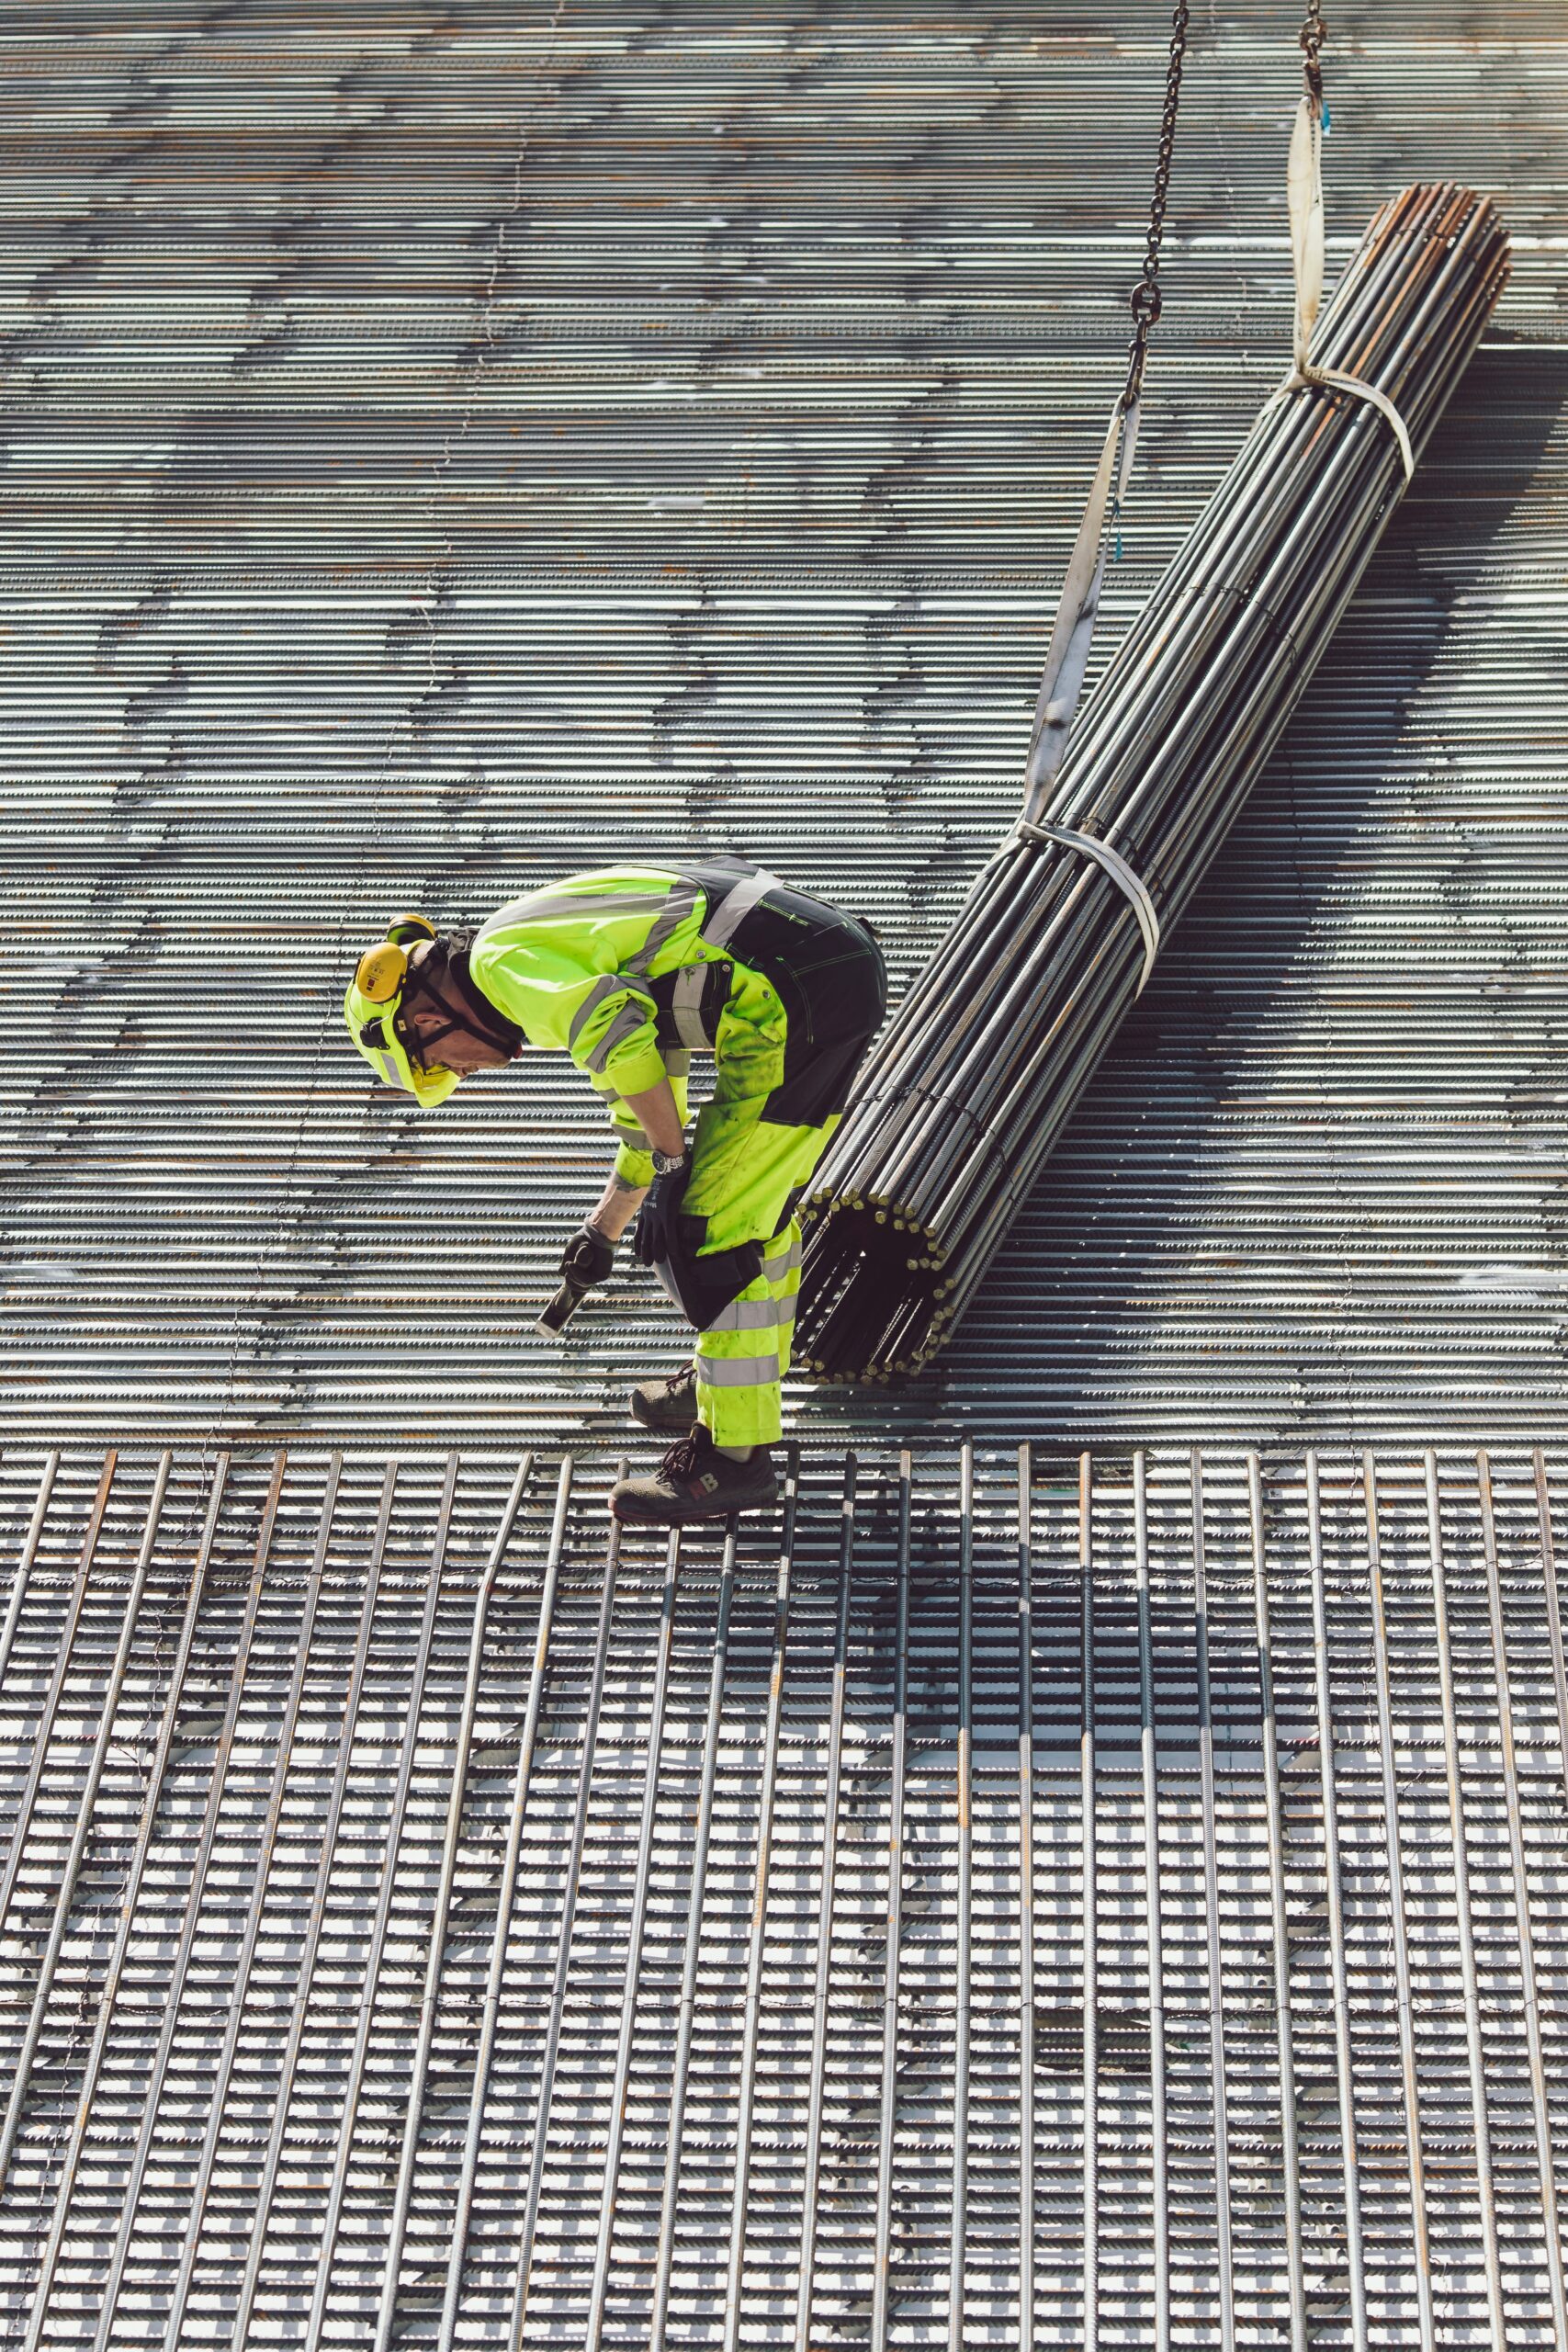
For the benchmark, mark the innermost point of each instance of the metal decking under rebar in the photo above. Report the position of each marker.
(425, 1923)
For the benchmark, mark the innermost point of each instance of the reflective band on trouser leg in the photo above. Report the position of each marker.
(744, 1353)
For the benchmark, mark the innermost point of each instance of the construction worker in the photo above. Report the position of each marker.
(627, 969)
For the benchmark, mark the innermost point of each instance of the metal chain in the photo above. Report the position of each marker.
(1145, 299)
(1315, 32)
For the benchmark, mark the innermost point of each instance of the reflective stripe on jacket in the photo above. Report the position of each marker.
(574, 964)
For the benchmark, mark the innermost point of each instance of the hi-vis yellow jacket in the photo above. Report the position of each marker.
(617, 968)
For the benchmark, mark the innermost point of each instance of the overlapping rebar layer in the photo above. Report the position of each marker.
(969, 1090)
(1013, 1898)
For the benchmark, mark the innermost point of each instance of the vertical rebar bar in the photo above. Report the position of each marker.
(147, 2130)
(201, 2188)
(810, 2185)
(546, 2092)
(1223, 2252)
(31, 1542)
(50, 1707)
(1349, 2145)
(85, 1805)
(888, 2116)
(758, 1944)
(1153, 1919)
(495, 1975)
(1531, 2003)
(130, 1895)
(675, 2129)
(1269, 1733)
(1415, 2157)
(326, 1849)
(963, 1925)
(1025, 1902)
(1554, 1610)
(1480, 2115)
(386, 2305)
(1090, 1908)
(419, 1669)
(594, 2332)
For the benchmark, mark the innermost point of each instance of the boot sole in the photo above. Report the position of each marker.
(635, 1518)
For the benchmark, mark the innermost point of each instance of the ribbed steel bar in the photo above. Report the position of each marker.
(964, 1936)
(757, 1948)
(546, 2091)
(201, 1861)
(810, 2202)
(435, 1948)
(1224, 2252)
(897, 1766)
(27, 1554)
(1026, 2054)
(1354, 2251)
(654, 1738)
(71, 2160)
(1529, 1983)
(66, 1893)
(1415, 2151)
(50, 1707)
(217, 2114)
(1153, 1917)
(490, 2015)
(686, 2015)
(397, 1810)
(1089, 1815)
(1469, 1978)
(1289, 2161)
(1553, 1607)
(266, 2187)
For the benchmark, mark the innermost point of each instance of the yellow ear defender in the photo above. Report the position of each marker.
(370, 1010)
(383, 969)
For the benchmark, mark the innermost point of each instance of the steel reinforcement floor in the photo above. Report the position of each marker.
(446, 442)
(1127, 1891)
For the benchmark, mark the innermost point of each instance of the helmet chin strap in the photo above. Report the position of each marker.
(473, 1013)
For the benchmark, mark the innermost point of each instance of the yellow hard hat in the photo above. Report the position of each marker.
(370, 1008)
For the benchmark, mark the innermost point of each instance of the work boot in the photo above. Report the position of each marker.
(669, 1404)
(694, 1481)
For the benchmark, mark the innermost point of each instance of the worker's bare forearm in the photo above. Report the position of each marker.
(658, 1117)
(620, 1203)
(659, 1120)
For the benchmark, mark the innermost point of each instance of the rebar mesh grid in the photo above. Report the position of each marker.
(360, 1815)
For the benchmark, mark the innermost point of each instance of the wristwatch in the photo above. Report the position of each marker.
(665, 1163)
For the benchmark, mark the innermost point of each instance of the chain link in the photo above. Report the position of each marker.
(1315, 32)
(1145, 300)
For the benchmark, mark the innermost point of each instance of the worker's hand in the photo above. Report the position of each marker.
(585, 1261)
(587, 1258)
(656, 1218)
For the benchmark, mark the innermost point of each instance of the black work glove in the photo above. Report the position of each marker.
(655, 1241)
(587, 1258)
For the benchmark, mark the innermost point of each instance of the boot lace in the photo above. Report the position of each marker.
(681, 1461)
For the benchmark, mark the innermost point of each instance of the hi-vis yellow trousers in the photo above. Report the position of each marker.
(786, 1050)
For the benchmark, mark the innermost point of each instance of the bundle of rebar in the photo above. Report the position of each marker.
(964, 1096)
